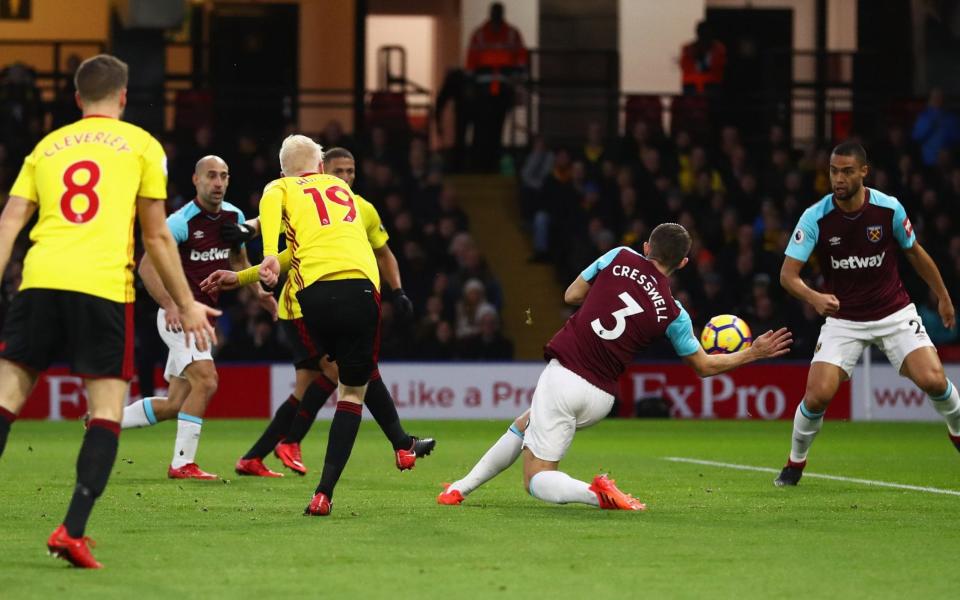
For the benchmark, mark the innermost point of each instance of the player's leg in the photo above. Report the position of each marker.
(154, 409)
(202, 378)
(923, 367)
(495, 460)
(320, 385)
(406, 448)
(16, 381)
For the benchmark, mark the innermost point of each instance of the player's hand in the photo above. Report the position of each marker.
(172, 318)
(195, 320)
(772, 343)
(237, 233)
(826, 305)
(947, 313)
(269, 271)
(220, 281)
(402, 305)
(269, 303)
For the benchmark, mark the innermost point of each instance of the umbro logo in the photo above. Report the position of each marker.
(198, 235)
(835, 240)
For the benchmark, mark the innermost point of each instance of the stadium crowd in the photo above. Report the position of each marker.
(740, 202)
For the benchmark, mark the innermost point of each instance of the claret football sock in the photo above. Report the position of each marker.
(343, 433)
(313, 400)
(559, 488)
(806, 426)
(497, 459)
(381, 406)
(188, 438)
(6, 420)
(94, 463)
(275, 430)
(948, 405)
(139, 414)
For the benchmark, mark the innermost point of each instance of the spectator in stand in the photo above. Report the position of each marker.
(439, 345)
(593, 151)
(702, 63)
(489, 343)
(935, 129)
(536, 169)
(21, 112)
(472, 302)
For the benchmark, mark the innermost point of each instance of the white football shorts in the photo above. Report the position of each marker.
(180, 355)
(842, 342)
(563, 402)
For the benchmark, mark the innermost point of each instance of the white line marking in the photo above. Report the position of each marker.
(899, 486)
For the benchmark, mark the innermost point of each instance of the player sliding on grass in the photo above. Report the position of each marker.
(856, 232)
(316, 378)
(192, 375)
(625, 305)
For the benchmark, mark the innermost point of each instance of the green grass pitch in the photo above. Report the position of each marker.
(709, 532)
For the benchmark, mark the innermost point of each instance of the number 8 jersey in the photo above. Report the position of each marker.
(85, 178)
(324, 230)
(629, 306)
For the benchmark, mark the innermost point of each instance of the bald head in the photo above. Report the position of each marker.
(211, 177)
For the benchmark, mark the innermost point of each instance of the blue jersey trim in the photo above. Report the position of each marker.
(807, 233)
(680, 334)
(603, 262)
(906, 240)
(177, 222)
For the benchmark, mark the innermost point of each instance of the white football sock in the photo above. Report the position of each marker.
(806, 426)
(559, 488)
(139, 414)
(498, 458)
(188, 438)
(948, 405)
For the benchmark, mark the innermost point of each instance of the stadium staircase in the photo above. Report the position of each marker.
(491, 203)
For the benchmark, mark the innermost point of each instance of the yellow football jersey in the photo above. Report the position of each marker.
(376, 235)
(323, 227)
(85, 178)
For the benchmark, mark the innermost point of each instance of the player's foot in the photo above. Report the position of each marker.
(791, 474)
(955, 439)
(449, 497)
(254, 467)
(73, 550)
(189, 471)
(320, 506)
(406, 459)
(610, 496)
(289, 455)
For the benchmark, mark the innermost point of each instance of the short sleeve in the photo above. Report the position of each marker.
(153, 171)
(680, 334)
(178, 227)
(600, 264)
(902, 228)
(376, 233)
(25, 185)
(804, 237)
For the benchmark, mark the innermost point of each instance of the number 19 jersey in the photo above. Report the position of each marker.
(629, 306)
(85, 178)
(324, 229)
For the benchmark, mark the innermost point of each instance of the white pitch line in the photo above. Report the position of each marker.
(886, 484)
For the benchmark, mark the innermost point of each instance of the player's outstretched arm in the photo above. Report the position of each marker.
(223, 280)
(240, 262)
(162, 250)
(928, 271)
(826, 305)
(16, 214)
(577, 292)
(769, 345)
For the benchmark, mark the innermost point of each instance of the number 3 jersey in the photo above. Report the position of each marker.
(85, 178)
(629, 306)
(323, 226)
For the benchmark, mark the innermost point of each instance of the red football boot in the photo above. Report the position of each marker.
(611, 498)
(955, 439)
(406, 459)
(189, 471)
(255, 468)
(449, 497)
(289, 455)
(72, 550)
(320, 506)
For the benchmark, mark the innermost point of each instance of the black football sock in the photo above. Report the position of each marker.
(380, 404)
(94, 463)
(343, 433)
(278, 426)
(313, 400)
(6, 420)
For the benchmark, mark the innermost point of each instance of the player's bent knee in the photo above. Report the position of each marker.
(932, 380)
(355, 375)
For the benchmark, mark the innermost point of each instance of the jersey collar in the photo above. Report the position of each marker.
(96, 116)
(859, 211)
(207, 213)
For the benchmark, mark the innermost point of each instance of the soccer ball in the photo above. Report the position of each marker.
(725, 334)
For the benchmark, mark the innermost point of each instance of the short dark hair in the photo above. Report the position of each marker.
(337, 152)
(853, 149)
(669, 244)
(100, 77)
